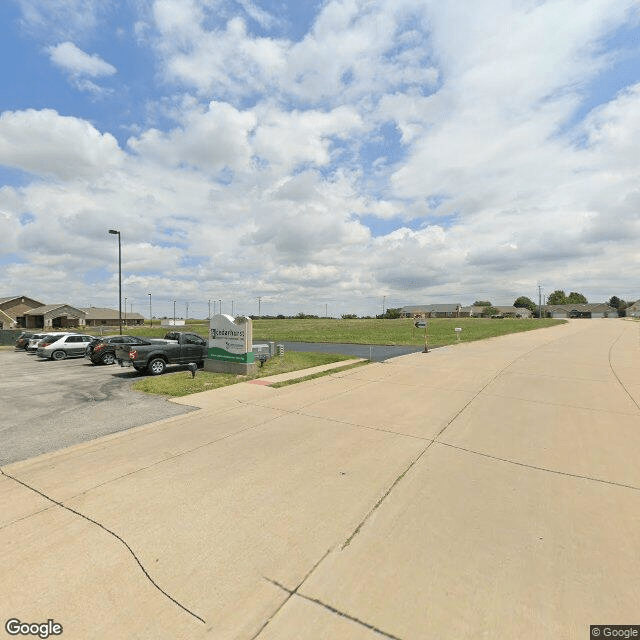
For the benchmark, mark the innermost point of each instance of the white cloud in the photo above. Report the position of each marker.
(76, 62)
(208, 139)
(62, 19)
(46, 143)
(262, 181)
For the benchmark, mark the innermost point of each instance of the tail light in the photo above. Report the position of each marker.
(133, 354)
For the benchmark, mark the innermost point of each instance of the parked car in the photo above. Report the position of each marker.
(23, 339)
(154, 356)
(103, 350)
(32, 346)
(59, 347)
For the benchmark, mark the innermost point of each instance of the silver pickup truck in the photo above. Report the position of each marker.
(153, 357)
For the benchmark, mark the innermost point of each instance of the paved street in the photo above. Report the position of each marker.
(484, 490)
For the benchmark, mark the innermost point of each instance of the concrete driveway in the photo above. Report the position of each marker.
(485, 490)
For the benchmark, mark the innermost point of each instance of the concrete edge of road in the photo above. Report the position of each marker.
(303, 373)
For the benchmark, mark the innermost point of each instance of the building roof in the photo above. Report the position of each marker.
(442, 308)
(102, 313)
(6, 315)
(10, 298)
(40, 311)
(590, 306)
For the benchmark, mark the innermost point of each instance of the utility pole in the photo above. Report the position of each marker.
(383, 300)
(540, 302)
(209, 309)
(115, 232)
(232, 309)
(187, 313)
(174, 313)
(259, 300)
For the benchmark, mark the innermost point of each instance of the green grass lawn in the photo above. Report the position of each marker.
(181, 383)
(440, 331)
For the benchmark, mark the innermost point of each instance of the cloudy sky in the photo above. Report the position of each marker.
(326, 156)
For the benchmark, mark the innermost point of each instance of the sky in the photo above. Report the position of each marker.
(320, 157)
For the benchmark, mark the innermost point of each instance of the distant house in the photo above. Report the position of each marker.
(633, 310)
(54, 316)
(587, 310)
(13, 309)
(508, 312)
(432, 311)
(100, 316)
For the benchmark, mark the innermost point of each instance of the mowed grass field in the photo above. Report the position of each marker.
(440, 331)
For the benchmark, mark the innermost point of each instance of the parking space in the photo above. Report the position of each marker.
(47, 405)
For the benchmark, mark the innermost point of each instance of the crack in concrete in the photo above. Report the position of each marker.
(535, 468)
(115, 535)
(324, 605)
(291, 593)
(614, 371)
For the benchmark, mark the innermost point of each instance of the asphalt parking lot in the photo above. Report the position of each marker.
(47, 405)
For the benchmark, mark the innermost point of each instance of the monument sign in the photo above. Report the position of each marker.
(230, 339)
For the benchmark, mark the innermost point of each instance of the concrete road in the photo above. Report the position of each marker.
(485, 490)
(47, 405)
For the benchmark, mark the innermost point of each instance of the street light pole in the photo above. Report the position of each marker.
(115, 232)
(125, 311)
(150, 316)
(174, 313)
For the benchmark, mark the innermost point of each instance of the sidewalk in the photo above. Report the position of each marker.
(303, 373)
(485, 490)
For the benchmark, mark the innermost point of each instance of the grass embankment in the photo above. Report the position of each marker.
(181, 383)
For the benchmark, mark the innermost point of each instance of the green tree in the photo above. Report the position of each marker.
(489, 311)
(526, 303)
(557, 297)
(619, 304)
(390, 314)
(576, 298)
(481, 303)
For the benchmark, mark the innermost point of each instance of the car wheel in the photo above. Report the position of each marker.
(108, 358)
(58, 355)
(156, 366)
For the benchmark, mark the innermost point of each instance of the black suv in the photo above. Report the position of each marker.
(102, 350)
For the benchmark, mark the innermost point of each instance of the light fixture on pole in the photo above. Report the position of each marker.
(117, 233)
